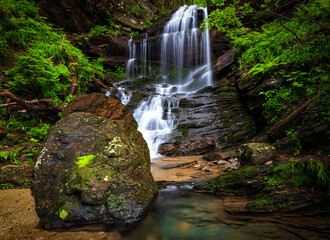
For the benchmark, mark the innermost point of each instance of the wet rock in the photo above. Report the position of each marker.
(222, 66)
(219, 43)
(212, 156)
(255, 153)
(101, 105)
(196, 147)
(168, 149)
(215, 112)
(17, 175)
(92, 170)
(3, 132)
(222, 162)
(235, 182)
(112, 48)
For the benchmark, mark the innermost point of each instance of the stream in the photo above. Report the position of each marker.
(181, 213)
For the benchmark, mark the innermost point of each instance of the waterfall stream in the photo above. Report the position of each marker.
(185, 67)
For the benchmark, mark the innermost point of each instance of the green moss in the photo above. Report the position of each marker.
(271, 202)
(64, 214)
(244, 181)
(85, 160)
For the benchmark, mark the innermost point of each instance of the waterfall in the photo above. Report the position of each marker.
(185, 67)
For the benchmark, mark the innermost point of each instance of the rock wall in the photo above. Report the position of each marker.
(79, 16)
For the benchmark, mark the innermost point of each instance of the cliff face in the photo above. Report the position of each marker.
(79, 16)
(227, 114)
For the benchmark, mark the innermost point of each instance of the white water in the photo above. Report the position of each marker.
(185, 68)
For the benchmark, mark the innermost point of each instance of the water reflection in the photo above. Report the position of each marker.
(186, 215)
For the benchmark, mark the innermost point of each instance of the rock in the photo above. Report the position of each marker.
(219, 42)
(17, 175)
(222, 162)
(212, 156)
(222, 66)
(92, 170)
(3, 132)
(255, 153)
(232, 160)
(114, 49)
(80, 16)
(235, 164)
(168, 149)
(101, 105)
(196, 147)
(215, 112)
(314, 128)
(207, 169)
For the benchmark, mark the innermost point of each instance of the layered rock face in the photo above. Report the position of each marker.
(92, 170)
(103, 106)
(80, 16)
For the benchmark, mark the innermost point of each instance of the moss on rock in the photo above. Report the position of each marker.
(96, 170)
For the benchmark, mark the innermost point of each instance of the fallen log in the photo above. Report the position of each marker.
(278, 129)
(36, 101)
(26, 105)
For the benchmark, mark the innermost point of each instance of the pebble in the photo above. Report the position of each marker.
(222, 162)
(232, 160)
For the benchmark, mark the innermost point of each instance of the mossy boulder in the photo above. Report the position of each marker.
(92, 170)
(255, 153)
(242, 182)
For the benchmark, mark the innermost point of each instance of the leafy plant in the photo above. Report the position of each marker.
(293, 172)
(6, 185)
(321, 173)
(40, 131)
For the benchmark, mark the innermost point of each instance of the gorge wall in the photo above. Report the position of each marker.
(222, 115)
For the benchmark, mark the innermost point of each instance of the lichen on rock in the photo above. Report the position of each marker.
(92, 170)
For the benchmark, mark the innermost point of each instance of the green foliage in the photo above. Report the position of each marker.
(40, 131)
(4, 155)
(119, 72)
(134, 10)
(6, 186)
(293, 135)
(293, 172)
(35, 75)
(299, 173)
(10, 156)
(134, 33)
(293, 50)
(85, 160)
(319, 171)
(45, 70)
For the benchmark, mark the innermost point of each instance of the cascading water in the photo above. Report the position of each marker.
(185, 67)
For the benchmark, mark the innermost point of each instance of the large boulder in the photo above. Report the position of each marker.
(255, 153)
(92, 170)
(101, 105)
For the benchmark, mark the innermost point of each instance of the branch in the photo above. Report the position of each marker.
(36, 101)
(280, 127)
(25, 105)
(300, 41)
(99, 82)
(74, 85)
